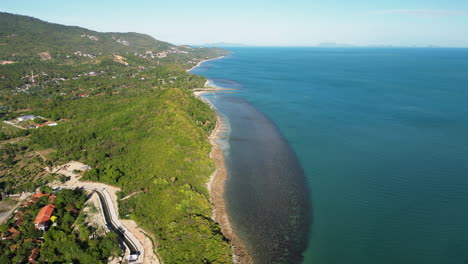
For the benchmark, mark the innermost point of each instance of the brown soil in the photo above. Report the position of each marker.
(6, 62)
(120, 59)
(45, 55)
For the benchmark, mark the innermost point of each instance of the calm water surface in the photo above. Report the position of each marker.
(381, 136)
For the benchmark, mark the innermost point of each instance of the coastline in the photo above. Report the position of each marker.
(216, 186)
(199, 63)
(216, 183)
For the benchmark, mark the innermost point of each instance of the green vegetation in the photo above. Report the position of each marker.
(123, 106)
(155, 143)
(70, 240)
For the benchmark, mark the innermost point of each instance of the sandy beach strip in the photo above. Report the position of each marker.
(199, 63)
(216, 187)
(217, 181)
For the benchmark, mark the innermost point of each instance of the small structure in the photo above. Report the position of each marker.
(19, 215)
(43, 217)
(52, 198)
(15, 246)
(19, 222)
(26, 118)
(34, 255)
(40, 194)
(13, 232)
(37, 196)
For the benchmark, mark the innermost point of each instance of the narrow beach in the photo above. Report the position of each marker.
(199, 63)
(216, 187)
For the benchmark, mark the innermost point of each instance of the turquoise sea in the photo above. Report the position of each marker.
(356, 155)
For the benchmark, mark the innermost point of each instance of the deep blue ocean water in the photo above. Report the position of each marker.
(381, 136)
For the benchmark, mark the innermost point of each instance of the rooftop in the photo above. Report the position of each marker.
(44, 214)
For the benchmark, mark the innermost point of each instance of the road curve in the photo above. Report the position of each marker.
(112, 219)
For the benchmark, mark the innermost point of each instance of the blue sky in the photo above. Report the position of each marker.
(270, 23)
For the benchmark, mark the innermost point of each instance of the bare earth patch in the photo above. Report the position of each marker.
(45, 55)
(120, 59)
(6, 62)
(94, 215)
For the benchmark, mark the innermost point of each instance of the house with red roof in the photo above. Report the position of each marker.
(43, 217)
(37, 196)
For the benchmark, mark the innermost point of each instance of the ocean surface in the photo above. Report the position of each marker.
(356, 155)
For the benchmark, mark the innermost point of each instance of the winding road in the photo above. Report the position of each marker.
(136, 249)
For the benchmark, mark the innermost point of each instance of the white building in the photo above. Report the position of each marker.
(26, 118)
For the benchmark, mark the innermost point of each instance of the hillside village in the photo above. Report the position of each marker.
(26, 236)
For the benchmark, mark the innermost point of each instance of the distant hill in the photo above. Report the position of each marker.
(23, 37)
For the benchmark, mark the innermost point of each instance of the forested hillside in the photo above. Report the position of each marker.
(120, 103)
(23, 38)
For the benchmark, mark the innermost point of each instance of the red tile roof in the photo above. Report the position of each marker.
(52, 198)
(14, 233)
(15, 246)
(40, 194)
(34, 254)
(44, 214)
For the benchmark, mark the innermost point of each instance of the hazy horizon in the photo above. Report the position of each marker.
(267, 23)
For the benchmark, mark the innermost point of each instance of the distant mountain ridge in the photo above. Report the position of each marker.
(22, 37)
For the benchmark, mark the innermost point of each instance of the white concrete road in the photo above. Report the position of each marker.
(131, 242)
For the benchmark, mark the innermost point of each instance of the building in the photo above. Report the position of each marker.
(35, 198)
(43, 217)
(15, 246)
(26, 118)
(13, 232)
(52, 198)
(40, 194)
(34, 255)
